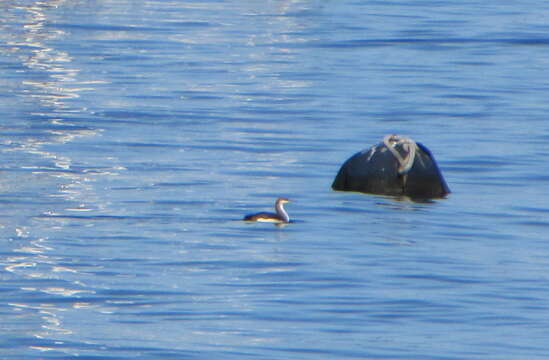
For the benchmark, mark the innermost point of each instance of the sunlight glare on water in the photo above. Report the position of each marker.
(136, 136)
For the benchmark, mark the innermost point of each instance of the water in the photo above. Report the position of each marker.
(135, 135)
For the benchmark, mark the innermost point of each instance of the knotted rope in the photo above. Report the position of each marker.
(408, 145)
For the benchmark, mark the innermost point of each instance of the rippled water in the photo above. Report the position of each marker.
(135, 136)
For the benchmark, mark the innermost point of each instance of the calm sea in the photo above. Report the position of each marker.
(136, 134)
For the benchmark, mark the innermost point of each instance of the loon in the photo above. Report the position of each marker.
(281, 215)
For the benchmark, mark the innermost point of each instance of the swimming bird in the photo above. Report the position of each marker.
(281, 215)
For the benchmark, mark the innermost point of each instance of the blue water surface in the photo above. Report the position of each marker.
(137, 134)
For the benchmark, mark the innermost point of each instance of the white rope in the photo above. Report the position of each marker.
(408, 145)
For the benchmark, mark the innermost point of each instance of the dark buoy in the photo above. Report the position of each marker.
(397, 166)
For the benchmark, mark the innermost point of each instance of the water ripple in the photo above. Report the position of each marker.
(138, 134)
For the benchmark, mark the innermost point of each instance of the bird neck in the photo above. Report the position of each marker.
(281, 212)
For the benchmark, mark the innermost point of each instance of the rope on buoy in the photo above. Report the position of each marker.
(408, 145)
